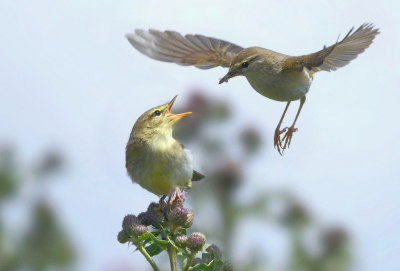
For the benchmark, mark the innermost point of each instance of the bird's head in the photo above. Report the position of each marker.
(246, 61)
(157, 121)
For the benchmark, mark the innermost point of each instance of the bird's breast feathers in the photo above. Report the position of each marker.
(282, 86)
(160, 166)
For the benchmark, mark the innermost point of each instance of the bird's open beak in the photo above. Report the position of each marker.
(229, 75)
(172, 116)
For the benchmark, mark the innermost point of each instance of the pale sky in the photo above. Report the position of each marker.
(69, 78)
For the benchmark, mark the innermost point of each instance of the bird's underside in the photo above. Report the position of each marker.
(205, 53)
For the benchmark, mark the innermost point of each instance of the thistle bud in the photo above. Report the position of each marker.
(251, 140)
(207, 256)
(152, 216)
(181, 241)
(181, 217)
(152, 206)
(195, 242)
(139, 230)
(201, 235)
(122, 237)
(228, 177)
(129, 222)
(189, 220)
(334, 238)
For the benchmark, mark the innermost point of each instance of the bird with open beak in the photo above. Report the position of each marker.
(154, 159)
(274, 75)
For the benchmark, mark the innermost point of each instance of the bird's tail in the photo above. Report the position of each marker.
(197, 176)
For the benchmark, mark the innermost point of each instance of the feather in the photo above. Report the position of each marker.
(197, 176)
(335, 56)
(197, 50)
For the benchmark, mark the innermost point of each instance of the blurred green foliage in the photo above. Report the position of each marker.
(42, 244)
(8, 179)
(206, 132)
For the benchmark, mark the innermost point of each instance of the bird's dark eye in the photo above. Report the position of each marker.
(157, 113)
(245, 64)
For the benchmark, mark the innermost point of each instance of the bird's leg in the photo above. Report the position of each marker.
(187, 187)
(161, 203)
(176, 193)
(289, 134)
(278, 132)
(176, 197)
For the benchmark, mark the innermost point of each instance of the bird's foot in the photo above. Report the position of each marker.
(176, 197)
(161, 204)
(277, 138)
(288, 136)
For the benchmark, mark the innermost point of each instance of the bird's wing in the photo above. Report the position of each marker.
(338, 55)
(197, 176)
(169, 46)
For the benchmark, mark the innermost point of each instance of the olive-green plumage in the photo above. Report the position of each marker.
(154, 159)
(276, 76)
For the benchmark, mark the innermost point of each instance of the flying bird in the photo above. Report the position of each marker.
(274, 75)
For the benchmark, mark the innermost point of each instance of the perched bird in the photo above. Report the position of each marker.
(276, 76)
(154, 159)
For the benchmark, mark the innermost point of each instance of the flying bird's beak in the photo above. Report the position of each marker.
(171, 116)
(229, 75)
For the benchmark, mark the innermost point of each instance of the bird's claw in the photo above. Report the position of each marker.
(176, 197)
(288, 137)
(161, 204)
(277, 139)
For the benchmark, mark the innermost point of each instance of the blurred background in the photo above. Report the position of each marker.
(71, 88)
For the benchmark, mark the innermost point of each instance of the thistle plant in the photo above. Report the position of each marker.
(170, 221)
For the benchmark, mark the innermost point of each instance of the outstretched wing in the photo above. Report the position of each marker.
(169, 46)
(338, 55)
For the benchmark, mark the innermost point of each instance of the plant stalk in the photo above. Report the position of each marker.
(189, 261)
(172, 258)
(147, 256)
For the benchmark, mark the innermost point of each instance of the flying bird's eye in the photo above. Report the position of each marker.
(245, 64)
(157, 113)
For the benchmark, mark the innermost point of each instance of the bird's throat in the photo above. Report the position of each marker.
(162, 142)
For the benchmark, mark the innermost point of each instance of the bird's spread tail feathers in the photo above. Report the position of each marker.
(338, 55)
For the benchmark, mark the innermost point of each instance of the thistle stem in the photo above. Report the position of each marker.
(147, 256)
(173, 230)
(189, 261)
(186, 251)
(172, 258)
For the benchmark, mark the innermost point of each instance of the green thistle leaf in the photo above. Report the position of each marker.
(155, 249)
(204, 249)
(202, 266)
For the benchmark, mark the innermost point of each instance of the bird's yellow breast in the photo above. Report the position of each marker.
(160, 166)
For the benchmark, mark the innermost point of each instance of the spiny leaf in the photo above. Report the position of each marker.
(156, 240)
(154, 249)
(202, 266)
(144, 236)
(157, 245)
(204, 249)
(217, 262)
(178, 251)
(156, 233)
(172, 243)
